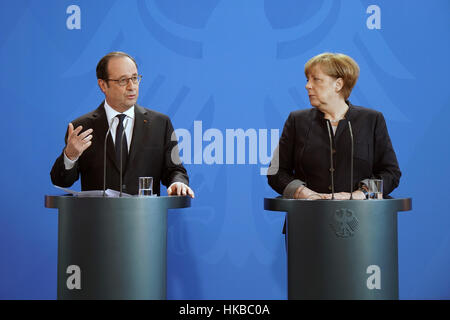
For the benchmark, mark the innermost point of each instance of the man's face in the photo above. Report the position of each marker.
(120, 98)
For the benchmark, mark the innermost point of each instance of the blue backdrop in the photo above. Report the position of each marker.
(229, 64)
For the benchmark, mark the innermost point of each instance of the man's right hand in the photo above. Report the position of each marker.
(77, 142)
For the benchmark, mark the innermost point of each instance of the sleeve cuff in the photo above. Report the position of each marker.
(365, 183)
(69, 164)
(290, 189)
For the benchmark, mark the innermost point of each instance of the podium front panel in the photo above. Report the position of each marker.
(341, 249)
(112, 248)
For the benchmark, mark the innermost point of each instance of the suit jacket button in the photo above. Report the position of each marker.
(329, 187)
(124, 187)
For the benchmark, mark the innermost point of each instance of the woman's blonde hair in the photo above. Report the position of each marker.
(336, 65)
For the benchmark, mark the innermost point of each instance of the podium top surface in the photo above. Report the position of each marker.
(286, 205)
(168, 202)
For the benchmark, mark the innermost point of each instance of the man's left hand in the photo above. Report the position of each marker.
(180, 189)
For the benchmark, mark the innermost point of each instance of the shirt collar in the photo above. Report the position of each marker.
(111, 113)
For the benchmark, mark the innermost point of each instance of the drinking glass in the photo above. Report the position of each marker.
(375, 189)
(145, 186)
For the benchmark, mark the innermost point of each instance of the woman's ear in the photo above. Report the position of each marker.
(339, 84)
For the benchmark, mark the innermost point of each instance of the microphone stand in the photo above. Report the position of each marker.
(331, 160)
(104, 156)
(351, 159)
(121, 157)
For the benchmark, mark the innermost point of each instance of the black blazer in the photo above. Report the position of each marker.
(304, 152)
(150, 155)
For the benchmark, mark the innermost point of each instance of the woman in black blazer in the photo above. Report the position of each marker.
(301, 167)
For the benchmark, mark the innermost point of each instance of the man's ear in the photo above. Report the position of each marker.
(102, 84)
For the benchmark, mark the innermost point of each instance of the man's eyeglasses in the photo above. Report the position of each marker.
(124, 81)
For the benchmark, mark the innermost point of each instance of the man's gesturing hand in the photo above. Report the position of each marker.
(77, 142)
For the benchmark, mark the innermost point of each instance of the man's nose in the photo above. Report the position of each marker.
(130, 84)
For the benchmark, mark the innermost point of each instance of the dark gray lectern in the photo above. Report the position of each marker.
(112, 248)
(341, 249)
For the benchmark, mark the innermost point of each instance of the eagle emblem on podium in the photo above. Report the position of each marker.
(344, 223)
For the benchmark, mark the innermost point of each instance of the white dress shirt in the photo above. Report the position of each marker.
(128, 122)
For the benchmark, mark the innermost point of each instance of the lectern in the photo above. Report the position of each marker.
(112, 248)
(341, 249)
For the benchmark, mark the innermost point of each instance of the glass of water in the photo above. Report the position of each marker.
(145, 186)
(375, 189)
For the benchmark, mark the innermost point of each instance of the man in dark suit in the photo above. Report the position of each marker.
(149, 146)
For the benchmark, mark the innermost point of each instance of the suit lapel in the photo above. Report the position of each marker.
(343, 124)
(141, 122)
(101, 126)
(342, 127)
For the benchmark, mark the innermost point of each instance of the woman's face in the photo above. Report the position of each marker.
(322, 89)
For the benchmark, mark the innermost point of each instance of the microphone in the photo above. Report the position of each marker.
(331, 160)
(351, 159)
(121, 157)
(104, 155)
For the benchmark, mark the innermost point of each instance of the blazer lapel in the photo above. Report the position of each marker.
(343, 124)
(342, 127)
(101, 126)
(141, 122)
